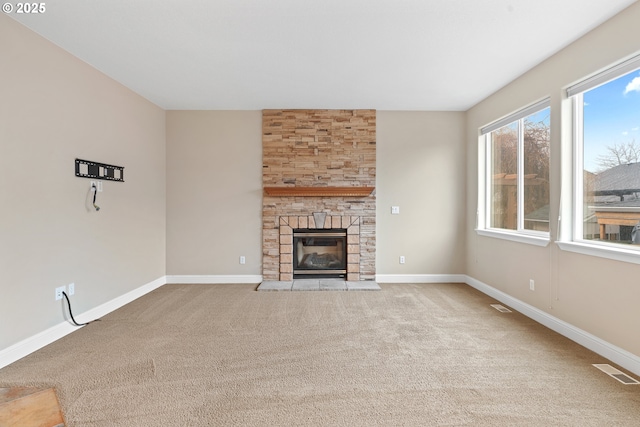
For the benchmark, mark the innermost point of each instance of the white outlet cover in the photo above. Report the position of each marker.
(96, 184)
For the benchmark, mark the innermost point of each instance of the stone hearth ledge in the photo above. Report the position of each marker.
(319, 285)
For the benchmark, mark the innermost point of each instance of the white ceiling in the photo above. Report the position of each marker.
(257, 54)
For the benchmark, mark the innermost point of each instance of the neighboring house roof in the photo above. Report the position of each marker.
(618, 186)
(539, 215)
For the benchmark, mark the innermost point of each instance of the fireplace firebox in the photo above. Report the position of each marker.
(319, 253)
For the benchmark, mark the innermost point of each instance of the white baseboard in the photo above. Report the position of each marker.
(421, 278)
(46, 337)
(616, 354)
(218, 279)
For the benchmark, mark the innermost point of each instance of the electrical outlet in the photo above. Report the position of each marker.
(97, 185)
(242, 259)
(72, 288)
(532, 285)
(395, 210)
(59, 292)
(401, 259)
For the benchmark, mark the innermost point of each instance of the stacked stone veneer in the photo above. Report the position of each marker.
(318, 148)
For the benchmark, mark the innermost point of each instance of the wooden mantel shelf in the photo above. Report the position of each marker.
(319, 191)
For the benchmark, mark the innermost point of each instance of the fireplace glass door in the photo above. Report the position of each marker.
(319, 253)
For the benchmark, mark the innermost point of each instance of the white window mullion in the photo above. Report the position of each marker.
(578, 167)
(482, 160)
(488, 186)
(520, 175)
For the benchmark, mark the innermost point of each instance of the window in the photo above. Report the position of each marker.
(515, 190)
(606, 206)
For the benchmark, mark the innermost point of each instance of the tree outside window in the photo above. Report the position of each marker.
(518, 194)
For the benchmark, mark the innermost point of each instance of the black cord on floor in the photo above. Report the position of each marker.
(71, 314)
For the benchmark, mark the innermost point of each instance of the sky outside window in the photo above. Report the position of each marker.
(611, 117)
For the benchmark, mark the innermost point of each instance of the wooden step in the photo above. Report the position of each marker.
(30, 407)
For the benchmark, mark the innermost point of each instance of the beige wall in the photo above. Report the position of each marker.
(214, 192)
(597, 295)
(54, 108)
(421, 168)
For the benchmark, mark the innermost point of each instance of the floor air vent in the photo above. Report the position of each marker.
(501, 308)
(618, 375)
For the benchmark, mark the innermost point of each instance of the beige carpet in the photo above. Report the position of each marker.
(409, 355)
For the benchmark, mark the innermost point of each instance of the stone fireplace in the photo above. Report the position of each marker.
(319, 169)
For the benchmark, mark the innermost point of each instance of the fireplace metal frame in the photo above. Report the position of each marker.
(300, 272)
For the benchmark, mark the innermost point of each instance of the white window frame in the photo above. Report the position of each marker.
(483, 228)
(571, 233)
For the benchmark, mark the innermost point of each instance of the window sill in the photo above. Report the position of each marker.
(515, 237)
(601, 251)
